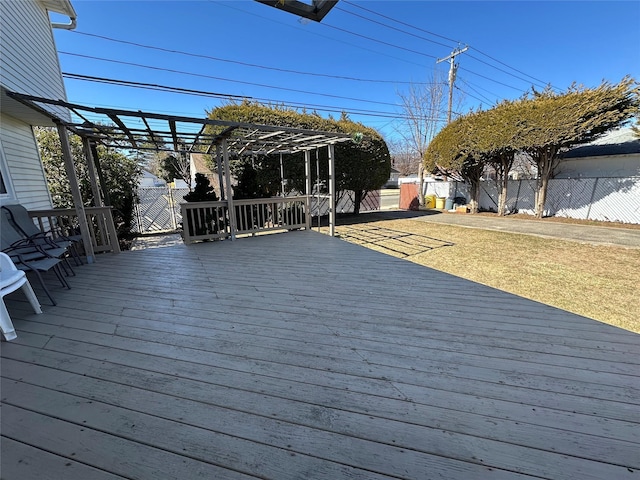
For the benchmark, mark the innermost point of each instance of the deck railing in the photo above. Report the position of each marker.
(210, 220)
(64, 221)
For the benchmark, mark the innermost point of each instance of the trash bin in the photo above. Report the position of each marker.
(429, 201)
(448, 204)
(440, 202)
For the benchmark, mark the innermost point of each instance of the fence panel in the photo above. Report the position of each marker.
(616, 200)
(439, 189)
(158, 209)
(526, 201)
(488, 196)
(154, 210)
(178, 198)
(569, 198)
(604, 199)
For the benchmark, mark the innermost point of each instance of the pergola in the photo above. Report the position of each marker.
(131, 130)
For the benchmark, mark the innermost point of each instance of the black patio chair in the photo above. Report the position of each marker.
(19, 217)
(33, 257)
(30, 257)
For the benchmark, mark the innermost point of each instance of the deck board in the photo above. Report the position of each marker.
(303, 356)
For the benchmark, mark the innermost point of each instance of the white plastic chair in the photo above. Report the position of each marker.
(12, 279)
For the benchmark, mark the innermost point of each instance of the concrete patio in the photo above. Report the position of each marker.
(302, 356)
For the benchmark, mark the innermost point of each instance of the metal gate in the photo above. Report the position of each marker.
(158, 209)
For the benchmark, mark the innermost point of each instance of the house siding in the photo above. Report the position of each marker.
(24, 164)
(618, 166)
(29, 61)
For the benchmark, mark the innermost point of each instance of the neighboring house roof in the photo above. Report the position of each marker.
(617, 142)
(149, 178)
(200, 165)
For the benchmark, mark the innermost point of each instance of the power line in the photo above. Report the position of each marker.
(402, 23)
(379, 41)
(541, 82)
(487, 99)
(236, 62)
(392, 28)
(508, 66)
(187, 91)
(163, 69)
(226, 5)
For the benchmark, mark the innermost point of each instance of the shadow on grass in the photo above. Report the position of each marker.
(375, 216)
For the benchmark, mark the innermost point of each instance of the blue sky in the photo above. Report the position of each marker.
(247, 49)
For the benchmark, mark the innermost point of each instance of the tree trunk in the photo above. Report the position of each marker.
(421, 184)
(475, 196)
(502, 197)
(541, 196)
(545, 163)
(357, 200)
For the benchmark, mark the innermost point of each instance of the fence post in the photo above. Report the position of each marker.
(172, 210)
(515, 207)
(593, 194)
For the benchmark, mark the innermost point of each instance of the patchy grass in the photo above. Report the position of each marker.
(599, 282)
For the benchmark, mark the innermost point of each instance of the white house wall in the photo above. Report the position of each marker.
(28, 58)
(25, 167)
(601, 166)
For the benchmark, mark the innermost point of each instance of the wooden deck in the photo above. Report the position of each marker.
(300, 356)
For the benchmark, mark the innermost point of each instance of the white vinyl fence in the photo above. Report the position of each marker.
(605, 199)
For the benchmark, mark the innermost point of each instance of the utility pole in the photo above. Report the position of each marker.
(453, 68)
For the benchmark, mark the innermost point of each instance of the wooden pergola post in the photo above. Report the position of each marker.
(219, 165)
(75, 192)
(227, 173)
(332, 191)
(307, 187)
(93, 175)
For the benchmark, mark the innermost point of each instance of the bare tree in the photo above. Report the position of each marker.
(176, 165)
(422, 106)
(403, 157)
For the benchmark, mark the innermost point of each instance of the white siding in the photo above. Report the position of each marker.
(25, 168)
(602, 166)
(28, 58)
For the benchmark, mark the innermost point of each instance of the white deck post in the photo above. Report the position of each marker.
(219, 165)
(332, 191)
(307, 188)
(227, 173)
(75, 192)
